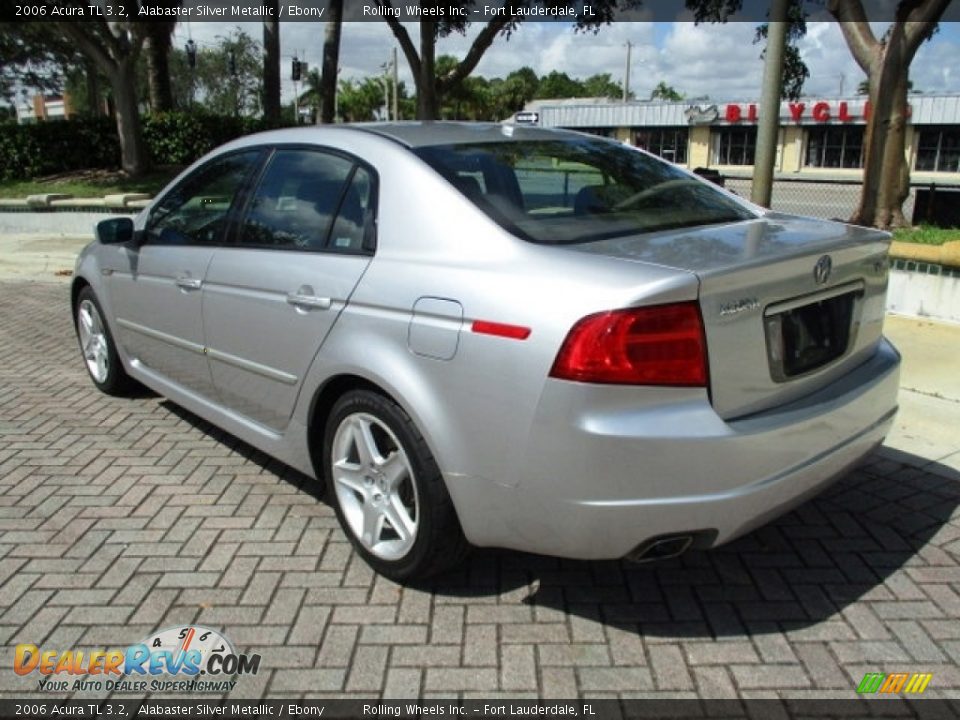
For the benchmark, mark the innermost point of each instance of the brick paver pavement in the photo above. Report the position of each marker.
(119, 517)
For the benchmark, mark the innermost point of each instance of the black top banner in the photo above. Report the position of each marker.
(582, 12)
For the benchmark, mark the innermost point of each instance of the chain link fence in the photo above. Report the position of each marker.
(827, 199)
(927, 203)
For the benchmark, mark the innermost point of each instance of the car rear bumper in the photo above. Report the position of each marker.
(608, 469)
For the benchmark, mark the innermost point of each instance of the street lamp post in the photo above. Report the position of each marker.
(769, 124)
(626, 74)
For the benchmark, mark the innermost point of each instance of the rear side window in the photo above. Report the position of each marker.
(354, 226)
(296, 200)
(195, 211)
(578, 189)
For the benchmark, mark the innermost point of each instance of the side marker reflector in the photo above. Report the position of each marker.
(514, 332)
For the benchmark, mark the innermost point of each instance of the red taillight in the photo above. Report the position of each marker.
(659, 345)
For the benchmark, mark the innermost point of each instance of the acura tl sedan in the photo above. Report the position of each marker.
(499, 336)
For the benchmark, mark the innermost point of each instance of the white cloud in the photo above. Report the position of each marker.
(716, 60)
(825, 52)
(721, 61)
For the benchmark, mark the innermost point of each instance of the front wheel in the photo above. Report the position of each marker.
(97, 346)
(387, 490)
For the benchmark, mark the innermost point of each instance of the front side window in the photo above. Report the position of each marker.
(835, 147)
(578, 189)
(195, 212)
(296, 200)
(734, 145)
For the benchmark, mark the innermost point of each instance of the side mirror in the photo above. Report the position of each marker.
(115, 231)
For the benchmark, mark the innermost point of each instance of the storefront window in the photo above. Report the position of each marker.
(835, 147)
(938, 149)
(734, 145)
(670, 143)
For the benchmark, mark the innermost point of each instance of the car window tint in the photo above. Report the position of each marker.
(295, 201)
(355, 219)
(195, 212)
(579, 189)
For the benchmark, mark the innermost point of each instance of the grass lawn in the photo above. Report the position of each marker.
(90, 183)
(927, 235)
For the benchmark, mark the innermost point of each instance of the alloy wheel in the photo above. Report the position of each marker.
(93, 341)
(374, 485)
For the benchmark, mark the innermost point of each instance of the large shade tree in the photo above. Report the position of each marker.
(431, 85)
(34, 59)
(886, 62)
(114, 48)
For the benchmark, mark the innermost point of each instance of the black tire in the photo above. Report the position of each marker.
(116, 381)
(438, 541)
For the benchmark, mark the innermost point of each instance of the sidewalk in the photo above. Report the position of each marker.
(39, 257)
(929, 392)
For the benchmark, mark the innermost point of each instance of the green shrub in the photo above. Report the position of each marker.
(172, 138)
(179, 138)
(48, 148)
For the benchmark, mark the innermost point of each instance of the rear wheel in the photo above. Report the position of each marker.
(387, 490)
(97, 346)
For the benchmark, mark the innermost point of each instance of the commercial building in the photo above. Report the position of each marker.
(45, 107)
(819, 138)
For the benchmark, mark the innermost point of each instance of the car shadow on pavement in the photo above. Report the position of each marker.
(849, 543)
(248, 452)
(852, 542)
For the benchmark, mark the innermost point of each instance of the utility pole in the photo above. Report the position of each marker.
(396, 87)
(626, 74)
(769, 125)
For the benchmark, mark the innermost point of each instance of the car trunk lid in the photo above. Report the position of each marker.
(789, 304)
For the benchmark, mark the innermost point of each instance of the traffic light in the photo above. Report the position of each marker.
(191, 48)
(295, 69)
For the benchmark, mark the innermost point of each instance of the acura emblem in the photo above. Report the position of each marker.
(821, 271)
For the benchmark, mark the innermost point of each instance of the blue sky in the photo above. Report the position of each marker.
(720, 61)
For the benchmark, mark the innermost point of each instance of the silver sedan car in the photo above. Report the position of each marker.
(499, 336)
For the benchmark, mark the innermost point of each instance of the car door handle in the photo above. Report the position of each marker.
(188, 283)
(308, 301)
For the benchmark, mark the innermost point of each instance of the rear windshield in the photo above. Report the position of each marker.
(578, 189)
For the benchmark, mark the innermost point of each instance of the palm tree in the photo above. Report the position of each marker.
(331, 59)
(271, 64)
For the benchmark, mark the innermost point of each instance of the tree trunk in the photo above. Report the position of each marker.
(271, 64)
(427, 100)
(94, 101)
(331, 59)
(894, 172)
(885, 172)
(133, 156)
(158, 68)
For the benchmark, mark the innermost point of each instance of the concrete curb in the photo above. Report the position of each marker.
(947, 254)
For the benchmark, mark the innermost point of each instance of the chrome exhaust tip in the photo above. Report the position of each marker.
(661, 548)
